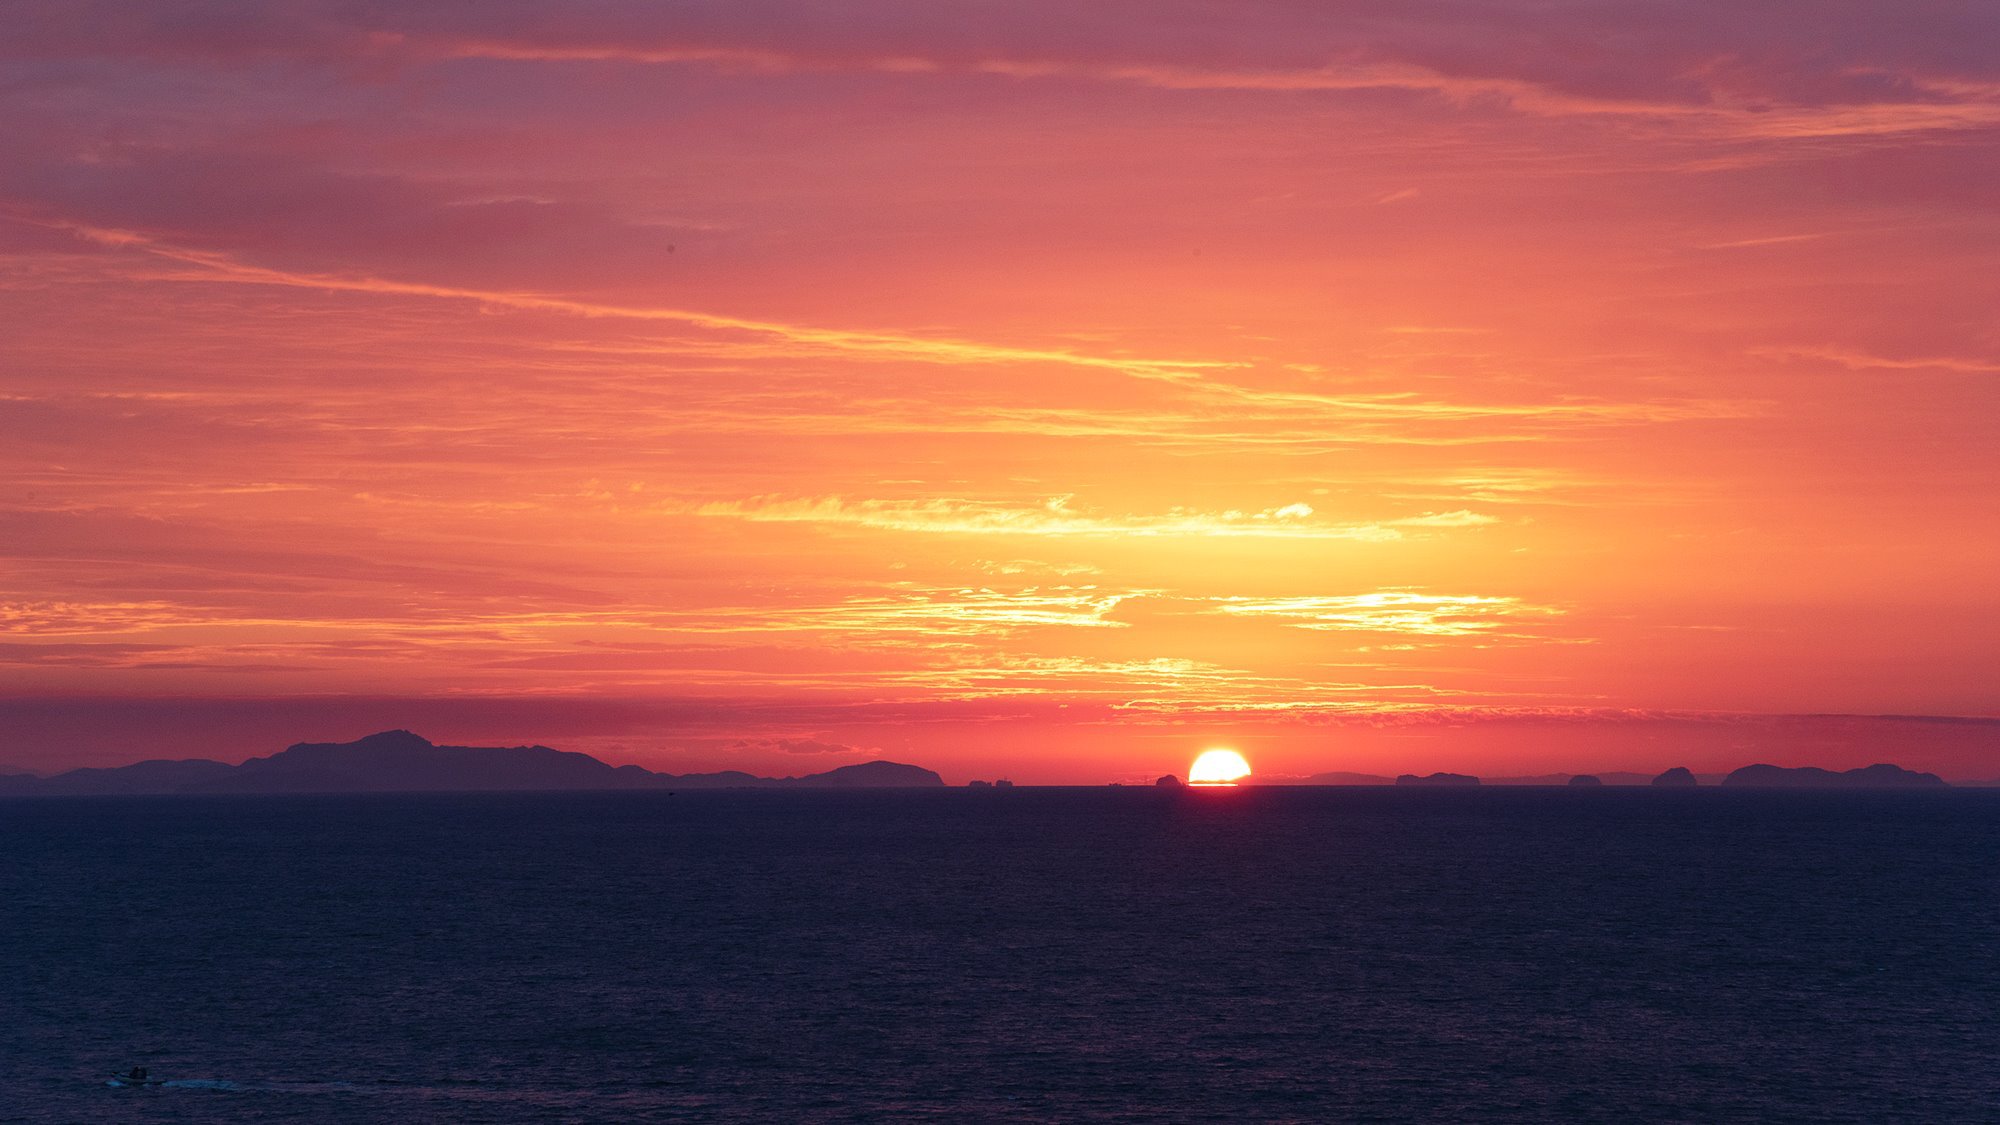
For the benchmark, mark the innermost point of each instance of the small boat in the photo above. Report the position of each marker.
(134, 1078)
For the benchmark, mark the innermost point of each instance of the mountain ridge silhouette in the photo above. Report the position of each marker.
(1881, 775)
(399, 761)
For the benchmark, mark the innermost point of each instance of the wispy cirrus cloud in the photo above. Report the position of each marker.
(797, 746)
(70, 618)
(218, 267)
(1739, 71)
(1856, 360)
(1058, 517)
(1410, 612)
(1200, 378)
(1940, 104)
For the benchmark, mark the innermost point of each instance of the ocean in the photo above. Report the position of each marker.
(1114, 954)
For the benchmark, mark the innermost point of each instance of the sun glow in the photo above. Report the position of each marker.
(1218, 767)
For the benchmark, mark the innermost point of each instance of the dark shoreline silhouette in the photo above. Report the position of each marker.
(1437, 779)
(1610, 778)
(1878, 776)
(401, 762)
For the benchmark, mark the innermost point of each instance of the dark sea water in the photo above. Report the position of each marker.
(1032, 955)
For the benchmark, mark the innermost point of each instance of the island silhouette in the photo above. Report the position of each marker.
(1879, 776)
(1437, 779)
(1345, 778)
(398, 761)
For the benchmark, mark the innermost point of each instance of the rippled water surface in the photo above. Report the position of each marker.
(1110, 954)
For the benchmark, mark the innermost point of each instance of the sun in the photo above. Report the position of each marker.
(1218, 767)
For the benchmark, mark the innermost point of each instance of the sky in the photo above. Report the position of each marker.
(1019, 389)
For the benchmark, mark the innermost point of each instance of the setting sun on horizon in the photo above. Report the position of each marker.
(1218, 767)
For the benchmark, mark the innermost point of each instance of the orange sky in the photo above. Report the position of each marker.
(1019, 389)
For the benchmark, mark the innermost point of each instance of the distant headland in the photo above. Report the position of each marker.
(398, 761)
(1437, 779)
(1879, 776)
